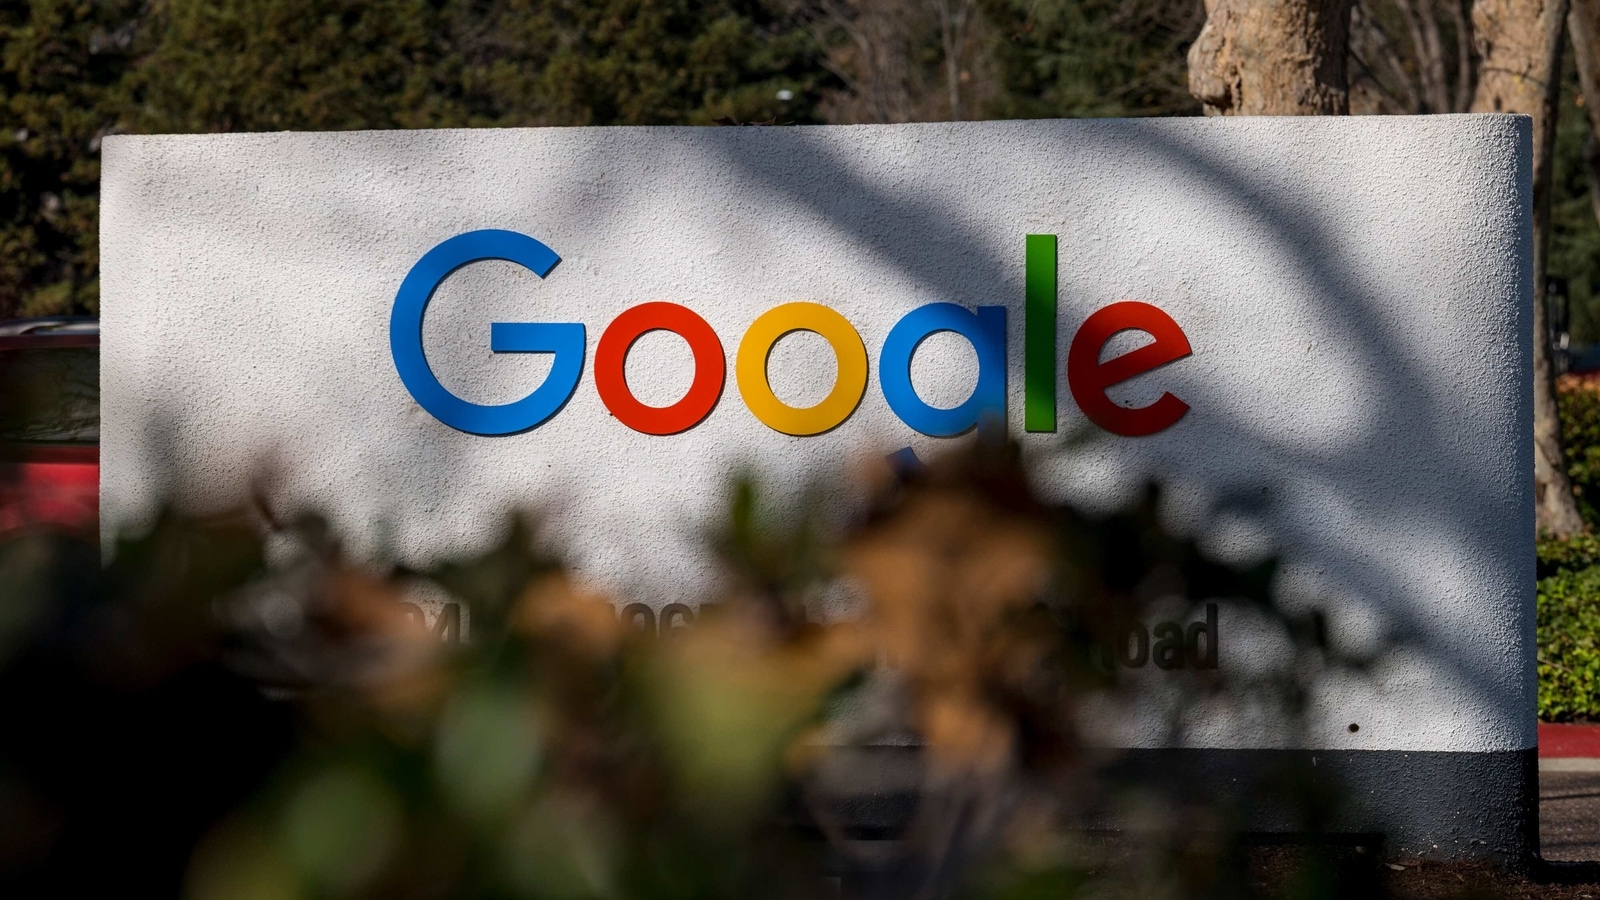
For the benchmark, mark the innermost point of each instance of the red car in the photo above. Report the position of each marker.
(50, 432)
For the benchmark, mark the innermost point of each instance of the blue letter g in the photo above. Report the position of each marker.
(564, 339)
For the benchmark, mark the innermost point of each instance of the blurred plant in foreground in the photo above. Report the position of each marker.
(890, 709)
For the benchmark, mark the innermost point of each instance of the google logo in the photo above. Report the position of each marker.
(1088, 377)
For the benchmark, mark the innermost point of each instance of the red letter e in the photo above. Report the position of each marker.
(1088, 377)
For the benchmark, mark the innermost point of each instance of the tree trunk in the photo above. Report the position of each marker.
(1519, 47)
(1428, 49)
(1584, 25)
(954, 17)
(1272, 58)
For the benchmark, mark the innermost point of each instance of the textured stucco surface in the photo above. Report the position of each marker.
(1356, 291)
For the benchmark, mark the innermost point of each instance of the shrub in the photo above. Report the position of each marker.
(1569, 571)
(1569, 643)
(1573, 554)
(1579, 403)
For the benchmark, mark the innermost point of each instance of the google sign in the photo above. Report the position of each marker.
(1344, 302)
(984, 327)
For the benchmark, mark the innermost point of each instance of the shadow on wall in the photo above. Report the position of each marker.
(1297, 488)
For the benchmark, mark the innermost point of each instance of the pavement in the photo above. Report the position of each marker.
(1569, 792)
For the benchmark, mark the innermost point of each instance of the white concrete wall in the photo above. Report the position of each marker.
(1356, 291)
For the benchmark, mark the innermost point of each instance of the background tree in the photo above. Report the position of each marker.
(1272, 58)
(1574, 256)
(1583, 23)
(899, 60)
(327, 64)
(1092, 58)
(72, 71)
(1410, 56)
(60, 63)
(1519, 45)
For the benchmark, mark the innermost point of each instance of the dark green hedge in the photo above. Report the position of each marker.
(1570, 555)
(1580, 430)
(1569, 574)
(1569, 630)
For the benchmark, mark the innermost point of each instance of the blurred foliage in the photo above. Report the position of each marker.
(1093, 58)
(236, 709)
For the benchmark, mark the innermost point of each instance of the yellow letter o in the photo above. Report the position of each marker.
(751, 368)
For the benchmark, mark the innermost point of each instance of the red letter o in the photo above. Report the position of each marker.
(1088, 377)
(611, 381)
